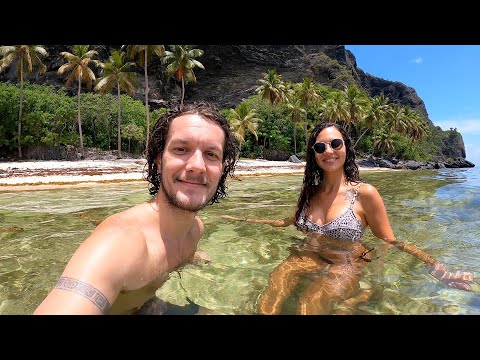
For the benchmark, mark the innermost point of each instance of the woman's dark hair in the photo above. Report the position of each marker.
(314, 174)
(158, 138)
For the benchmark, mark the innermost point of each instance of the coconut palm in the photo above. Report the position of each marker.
(272, 87)
(143, 54)
(376, 112)
(307, 95)
(296, 111)
(181, 62)
(78, 67)
(116, 74)
(415, 124)
(242, 119)
(24, 58)
(357, 103)
(335, 106)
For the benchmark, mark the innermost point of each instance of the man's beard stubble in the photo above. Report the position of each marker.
(172, 200)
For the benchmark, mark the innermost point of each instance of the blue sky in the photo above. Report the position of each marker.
(445, 77)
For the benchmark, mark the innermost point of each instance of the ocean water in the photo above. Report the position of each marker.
(437, 210)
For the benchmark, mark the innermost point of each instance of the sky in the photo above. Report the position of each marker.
(445, 77)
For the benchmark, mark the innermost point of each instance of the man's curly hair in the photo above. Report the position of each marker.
(158, 138)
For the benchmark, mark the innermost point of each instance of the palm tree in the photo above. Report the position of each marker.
(296, 111)
(335, 106)
(78, 65)
(243, 119)
(25, 57)
(116, 74)
(272, 87)
(376, 112)
(307, 95)
(181, 62)
(144, 53)
(357, 103)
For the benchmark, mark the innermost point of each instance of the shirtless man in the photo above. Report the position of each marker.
(119, 267)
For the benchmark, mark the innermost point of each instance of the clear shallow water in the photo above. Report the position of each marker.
(437, 210)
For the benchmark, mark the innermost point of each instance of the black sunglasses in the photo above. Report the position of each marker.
(320, 147)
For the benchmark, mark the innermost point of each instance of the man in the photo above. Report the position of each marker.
(118, 268)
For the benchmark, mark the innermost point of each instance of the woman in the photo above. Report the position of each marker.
(334, 209)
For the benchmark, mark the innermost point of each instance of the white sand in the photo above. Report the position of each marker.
(35, 175)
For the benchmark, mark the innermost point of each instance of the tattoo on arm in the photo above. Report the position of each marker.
(88, 291)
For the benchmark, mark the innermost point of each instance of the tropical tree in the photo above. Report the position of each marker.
(296, 111)
(272, 87)
(116, 74)
(144, 54)
(307, 95)
(334, 107)
(243, 119)
(181, 62)
(24, 58)
(78, 66)
(132, 132)
(357, 103)
(376, 112)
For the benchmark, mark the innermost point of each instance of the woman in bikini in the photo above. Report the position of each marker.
(334, 209)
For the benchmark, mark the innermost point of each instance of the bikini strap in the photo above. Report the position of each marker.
(355, 195)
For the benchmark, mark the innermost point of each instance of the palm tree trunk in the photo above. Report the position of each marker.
(361, 135)
(119, 121)
(295, 138)
(146, 100)
(20, 110)
(79, 118)
(183, 92)
(306, 136)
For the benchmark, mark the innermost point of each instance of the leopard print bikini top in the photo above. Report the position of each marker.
(344, 227)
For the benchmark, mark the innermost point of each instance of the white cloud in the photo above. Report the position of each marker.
(417, 60)
(471, 126)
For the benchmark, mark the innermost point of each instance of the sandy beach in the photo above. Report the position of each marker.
(37, 175)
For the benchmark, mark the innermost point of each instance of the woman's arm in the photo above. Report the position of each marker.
(377, 218)
(276, 223)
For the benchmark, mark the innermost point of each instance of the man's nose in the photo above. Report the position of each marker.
(196, 162)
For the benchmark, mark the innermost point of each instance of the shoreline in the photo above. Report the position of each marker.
(52, 174)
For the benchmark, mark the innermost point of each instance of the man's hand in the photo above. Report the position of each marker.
(458, 280)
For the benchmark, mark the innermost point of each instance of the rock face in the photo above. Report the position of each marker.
(232, 73)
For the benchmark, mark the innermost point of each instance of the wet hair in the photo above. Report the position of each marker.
(159, 135)
(314, 174)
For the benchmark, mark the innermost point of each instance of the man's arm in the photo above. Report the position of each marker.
(95, 274)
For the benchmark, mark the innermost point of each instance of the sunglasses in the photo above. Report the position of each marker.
(320, 147)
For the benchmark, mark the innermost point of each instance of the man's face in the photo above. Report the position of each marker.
(192, 162)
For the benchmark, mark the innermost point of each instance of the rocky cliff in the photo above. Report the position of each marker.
(232, 73)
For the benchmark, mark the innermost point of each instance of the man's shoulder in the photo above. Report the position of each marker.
(123, 228)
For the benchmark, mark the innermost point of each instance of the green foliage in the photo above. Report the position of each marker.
(133, 133)
(49, 119)
(156, 115)
(338, 74)
(48, 116)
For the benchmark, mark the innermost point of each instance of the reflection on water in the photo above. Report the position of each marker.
(437, 210)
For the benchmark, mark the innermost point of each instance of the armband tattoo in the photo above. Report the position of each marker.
(88, 291)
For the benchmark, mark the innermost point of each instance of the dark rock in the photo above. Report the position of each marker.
(294, 159)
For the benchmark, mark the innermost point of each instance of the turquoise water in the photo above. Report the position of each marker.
(437, 210)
